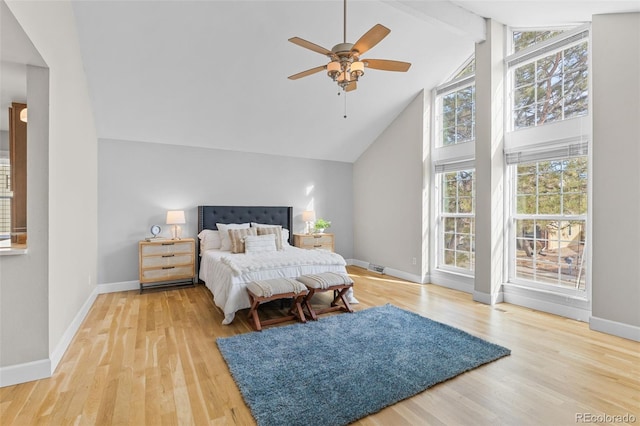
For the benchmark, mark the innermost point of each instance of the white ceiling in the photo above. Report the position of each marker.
(213, 73)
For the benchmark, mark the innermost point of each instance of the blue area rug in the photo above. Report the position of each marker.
(344, 367)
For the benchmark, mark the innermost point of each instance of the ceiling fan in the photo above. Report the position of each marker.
(346, 66)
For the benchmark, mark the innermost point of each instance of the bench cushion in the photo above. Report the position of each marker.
(325, 280)
(275, 286)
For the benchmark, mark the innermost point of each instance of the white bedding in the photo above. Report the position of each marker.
(226, 274)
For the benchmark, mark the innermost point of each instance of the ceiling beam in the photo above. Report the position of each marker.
(458, 20)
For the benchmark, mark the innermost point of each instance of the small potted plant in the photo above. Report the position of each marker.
(321, 225)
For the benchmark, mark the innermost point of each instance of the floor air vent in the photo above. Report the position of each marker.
(376, 268)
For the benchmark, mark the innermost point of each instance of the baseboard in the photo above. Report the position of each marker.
(403, 275)
(452, 280)
(27, 372)
(388, 271)
(121, 286)
(562, 305)
(615, 328)
(487, 298)
(71, 331)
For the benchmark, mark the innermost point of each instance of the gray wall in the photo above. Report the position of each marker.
(388, 195)
(138, 182)
(44, 290)
(616, 175)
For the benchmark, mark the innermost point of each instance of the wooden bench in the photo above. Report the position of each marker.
(327, 281)
(275, 289)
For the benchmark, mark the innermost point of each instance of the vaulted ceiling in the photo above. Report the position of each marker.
(214, 73)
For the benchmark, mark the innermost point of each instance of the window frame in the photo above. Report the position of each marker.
(561, 42)
(454, 85)
(440, 172)
(513, 217)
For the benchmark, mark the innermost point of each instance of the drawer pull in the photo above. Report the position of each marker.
(318, 245)
(168, 255)
(168, 244)
(168, 267)
(317, 236)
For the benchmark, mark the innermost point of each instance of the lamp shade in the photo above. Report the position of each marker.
(175, 217)
(308, 216)
(23, 115)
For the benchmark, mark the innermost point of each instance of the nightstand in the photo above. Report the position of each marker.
(166, 262)
(314, 241)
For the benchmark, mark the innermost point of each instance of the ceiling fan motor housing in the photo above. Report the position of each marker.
(342, 48)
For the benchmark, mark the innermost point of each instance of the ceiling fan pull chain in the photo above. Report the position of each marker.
(345, 104)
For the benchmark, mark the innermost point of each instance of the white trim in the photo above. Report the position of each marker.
(115, 287)
(546, 301)
(12, 251)
(626, 331)
(452, 280)
(487, 298)
(27, 372)
(388, 271)
(360, 263)
(557, 42)
(71, 331)
(403, 275)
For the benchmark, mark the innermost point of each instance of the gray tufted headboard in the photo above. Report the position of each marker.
(208, 216)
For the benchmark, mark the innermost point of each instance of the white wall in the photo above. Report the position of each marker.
(388, 196)
(139, 182)
(616, 175)
(72, 197)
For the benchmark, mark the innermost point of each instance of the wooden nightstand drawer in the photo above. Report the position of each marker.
(314, 241)
(167, 273)
(166, 247)
(166, 262)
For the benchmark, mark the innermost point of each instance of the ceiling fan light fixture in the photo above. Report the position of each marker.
(344, 78)
(333, 69)
(357, 69)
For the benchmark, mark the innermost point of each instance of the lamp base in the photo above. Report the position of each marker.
(176, 233)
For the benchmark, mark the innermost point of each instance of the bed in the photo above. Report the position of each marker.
(226, 274)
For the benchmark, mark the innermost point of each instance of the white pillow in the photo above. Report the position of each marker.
(285, 231)
(209, 240)
(224, 233)
(260, 243)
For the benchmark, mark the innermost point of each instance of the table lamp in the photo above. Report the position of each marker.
(309, 216)
(175, 218)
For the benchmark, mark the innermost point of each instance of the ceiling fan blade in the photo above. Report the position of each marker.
(307, 72)
(351, 86)
(386, 65)
(371, 38)
(308, 45)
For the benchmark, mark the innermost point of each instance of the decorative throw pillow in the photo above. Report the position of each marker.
(284, 232)
(209, 240)
(237, 238)
(275, 230)
(260, 243)
(224, 233)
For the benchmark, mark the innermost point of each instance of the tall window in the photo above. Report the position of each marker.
(455, 171)
(547, 157)
(457, 220)
(550, 221)
(456, 108)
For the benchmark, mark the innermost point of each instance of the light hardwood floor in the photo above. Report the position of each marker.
(152, 359)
